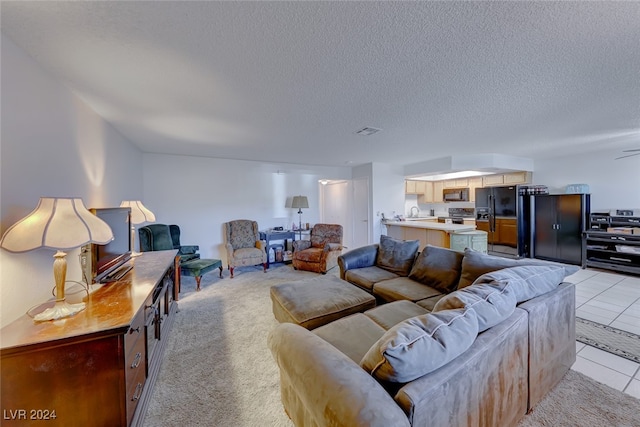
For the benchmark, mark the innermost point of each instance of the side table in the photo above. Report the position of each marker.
(272, 235)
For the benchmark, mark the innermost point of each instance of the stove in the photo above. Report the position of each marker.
(462, 212)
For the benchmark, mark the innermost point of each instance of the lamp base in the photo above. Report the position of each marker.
(61, 310)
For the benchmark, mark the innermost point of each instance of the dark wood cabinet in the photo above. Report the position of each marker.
(507, 231)
(98, 367)
(559, 222)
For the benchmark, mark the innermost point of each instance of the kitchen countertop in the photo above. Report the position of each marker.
(449, 228)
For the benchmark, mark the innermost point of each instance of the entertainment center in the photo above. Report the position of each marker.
(98, 367)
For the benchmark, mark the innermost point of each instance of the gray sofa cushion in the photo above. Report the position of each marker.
(366, 277)
(397, 256)
(389, 315)
(475, 264)
(421, 345)
(492, 304)
(438, 267)
(403, 288)
(353, 335)
(429, 303)
(525, 282)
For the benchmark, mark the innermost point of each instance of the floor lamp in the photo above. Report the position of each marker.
(60, 224)
(139, 215)
(300, 202)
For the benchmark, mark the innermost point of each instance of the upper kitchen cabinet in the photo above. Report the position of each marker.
(456, 183)
(414, 187)
(507, 179)
(438, 186)
(473, 184)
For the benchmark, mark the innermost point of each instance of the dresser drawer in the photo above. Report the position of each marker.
(135, 361)
(135, 332)
(135, 386)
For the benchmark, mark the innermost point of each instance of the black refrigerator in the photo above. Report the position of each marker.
(505, 214)
(560, 220)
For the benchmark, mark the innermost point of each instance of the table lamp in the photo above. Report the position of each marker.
(300, 202)
(139, 215)
(60, 224)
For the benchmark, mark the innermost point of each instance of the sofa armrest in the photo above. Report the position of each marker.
(321, 386)
(364, 256)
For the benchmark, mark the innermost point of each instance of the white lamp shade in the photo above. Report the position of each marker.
(139, 214)
(300, 202)
(56, 223)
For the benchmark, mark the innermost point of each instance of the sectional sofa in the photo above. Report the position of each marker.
(482, 352)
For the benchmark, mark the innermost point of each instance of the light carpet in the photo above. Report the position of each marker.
(622, 343)
(218, 371)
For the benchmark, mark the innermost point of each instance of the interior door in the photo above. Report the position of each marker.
(361, 211)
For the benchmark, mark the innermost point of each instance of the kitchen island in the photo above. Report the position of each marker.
(427, 232)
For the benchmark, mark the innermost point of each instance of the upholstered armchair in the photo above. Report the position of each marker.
(319, 253)
(162, 237)
(243, 244)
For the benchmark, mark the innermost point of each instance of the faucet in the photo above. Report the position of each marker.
(411, 212)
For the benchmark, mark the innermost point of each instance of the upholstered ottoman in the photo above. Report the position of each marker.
(198, 267)
(314, 302)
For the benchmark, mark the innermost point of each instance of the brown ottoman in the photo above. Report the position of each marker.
(315, 302)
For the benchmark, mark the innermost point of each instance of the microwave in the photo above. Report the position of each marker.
(455, 195)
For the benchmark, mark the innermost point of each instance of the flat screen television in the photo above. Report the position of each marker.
(98, 261)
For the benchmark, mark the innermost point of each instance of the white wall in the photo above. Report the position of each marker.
(388, 195)
(200, 194)
(53, 145)
(612, 183)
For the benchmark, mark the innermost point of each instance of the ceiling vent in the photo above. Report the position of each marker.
(367, 131)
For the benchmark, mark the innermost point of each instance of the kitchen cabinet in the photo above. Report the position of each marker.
(517, 178)
(427, 196)
(473, 184)
(438, 186)
(456, 183)
(483, 225)
(507, 231)
(507, 179)
(559, 221)
(488, 180)
(414, 187)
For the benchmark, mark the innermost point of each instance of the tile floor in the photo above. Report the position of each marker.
(611, 299)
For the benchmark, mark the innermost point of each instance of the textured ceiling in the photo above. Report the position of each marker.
(293, 81)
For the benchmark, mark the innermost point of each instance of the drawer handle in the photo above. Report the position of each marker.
(614, 258)
(138, 392)
(132, 330)
(136, 361)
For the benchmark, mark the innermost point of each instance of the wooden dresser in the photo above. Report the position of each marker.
(98, 367)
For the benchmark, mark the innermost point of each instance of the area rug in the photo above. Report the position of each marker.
(218, 371)
(622, 343)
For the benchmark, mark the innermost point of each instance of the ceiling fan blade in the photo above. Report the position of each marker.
(628, 155)
(629, 151)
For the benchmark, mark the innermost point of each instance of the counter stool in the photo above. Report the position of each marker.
(197, 267)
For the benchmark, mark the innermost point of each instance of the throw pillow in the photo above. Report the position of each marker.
(438, 268)
(475, 264)
(525, 282)
(420, 345)
(395, 255)
(492, 304)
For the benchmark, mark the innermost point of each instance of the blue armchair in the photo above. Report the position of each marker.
(162, 237)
